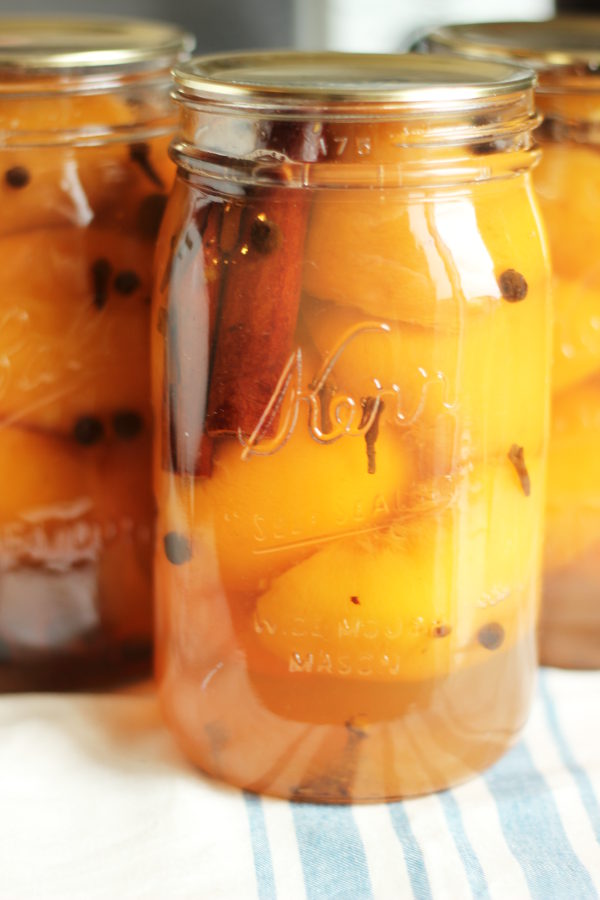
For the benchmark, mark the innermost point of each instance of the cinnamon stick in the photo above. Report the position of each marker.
(260, 294)
(259, 310)
(221, 375)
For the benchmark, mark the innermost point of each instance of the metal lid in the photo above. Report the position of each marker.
(295, 79)
(563, 41)
(56, 43)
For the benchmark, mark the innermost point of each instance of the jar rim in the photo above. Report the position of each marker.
(563, 42)
(31, 45)
(287, 80)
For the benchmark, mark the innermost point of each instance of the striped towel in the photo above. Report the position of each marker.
(97, 802)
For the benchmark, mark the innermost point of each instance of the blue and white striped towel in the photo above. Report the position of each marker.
(98, 803)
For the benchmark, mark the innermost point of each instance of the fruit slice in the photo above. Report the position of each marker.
(461, 393)
(576, 330)
(265, 512)
(425, 598)
(145, 174)
(43, 478)
(424, 261)
(573, 510)
(73, 335)
(67, 510)
(568, 186)
(44, 183)
(51, 480)
(46, 113)
(572, 103)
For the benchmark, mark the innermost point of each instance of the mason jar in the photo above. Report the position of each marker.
(351, 354)
(566, 54)
(85, 122)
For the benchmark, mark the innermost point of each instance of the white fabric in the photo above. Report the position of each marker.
(98, 802)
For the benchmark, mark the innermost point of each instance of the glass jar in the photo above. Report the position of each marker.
(85, 122)
(566, 54)
(350, 356)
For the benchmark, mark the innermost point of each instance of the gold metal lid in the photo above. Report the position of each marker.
(565, 41)
(84, 43)
(294, 79)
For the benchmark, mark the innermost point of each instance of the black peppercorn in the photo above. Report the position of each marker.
(127, 424)
(513, 286)
(88, 430)
(17, 177)
(265, 236)
(491, 636)
(178, 549)
(126, 282)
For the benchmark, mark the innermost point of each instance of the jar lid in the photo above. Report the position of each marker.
(56, 43)
(294, 79)
(565, 41)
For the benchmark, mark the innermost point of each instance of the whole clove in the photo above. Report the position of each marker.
(516, 455)
(100, 271)
(150, 214)
(372, 432)
(140, 154)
